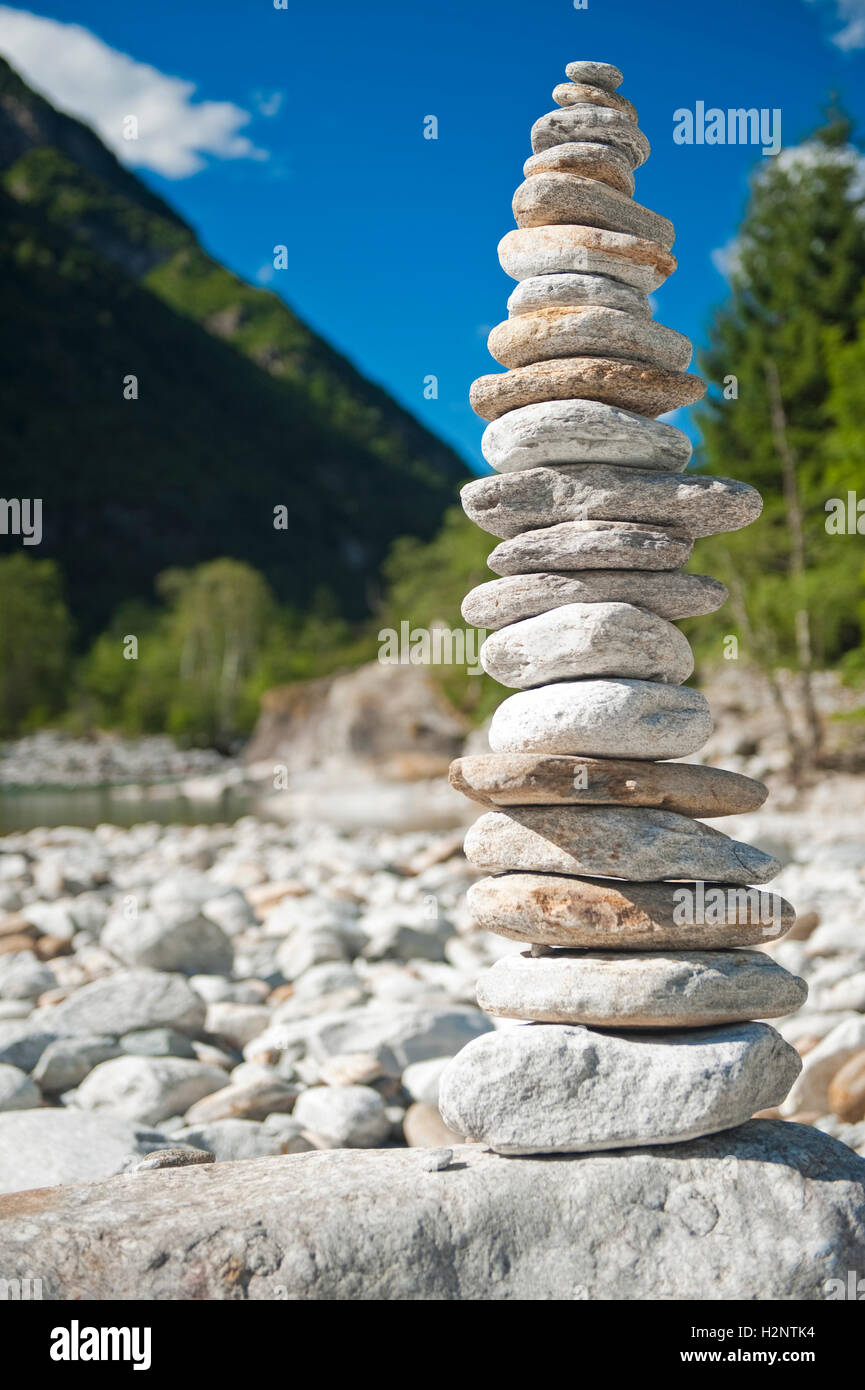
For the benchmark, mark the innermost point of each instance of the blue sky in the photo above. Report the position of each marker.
(303, 126)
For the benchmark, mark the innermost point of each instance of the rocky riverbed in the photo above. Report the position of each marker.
(257, 989)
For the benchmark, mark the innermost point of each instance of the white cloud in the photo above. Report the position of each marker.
(851, 13)
(80, 74)
(725, 258)
(268, 103)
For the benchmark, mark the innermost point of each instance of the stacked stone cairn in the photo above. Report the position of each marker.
(636, 988)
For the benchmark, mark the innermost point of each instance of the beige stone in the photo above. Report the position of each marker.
(586, 250)
(539, 779)
(847, 1090)
(633, 386)
(424, 1128)
(605, 75)
(612, 915)
(572, 93)
(557, 197)
(586, 157)
(585, 121)
(560, 332)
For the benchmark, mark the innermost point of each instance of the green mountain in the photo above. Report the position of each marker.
(241, 408)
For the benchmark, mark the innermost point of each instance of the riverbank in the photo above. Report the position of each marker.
(263, 988)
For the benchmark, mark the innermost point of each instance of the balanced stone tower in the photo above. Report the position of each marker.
(636, 989)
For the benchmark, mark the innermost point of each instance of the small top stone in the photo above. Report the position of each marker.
(595, 74)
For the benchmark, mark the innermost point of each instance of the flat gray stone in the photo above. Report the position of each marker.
(17, 1090)
(148, 1089)
(250, 1100)
(588, 639)
(587, 250)
(551, 333)
(556, 1088)
(669, 593)
(350, 1117)
(586, 121)
(22, 1043)
(548, 198)
(644, 1224)
(572, 291)
(631, 842)
(577, 545)
(604, 719)
(41, 1148)
(157, 1042)
(65, 1063)
(396, 1035)
(192, 945)
(605, 75)
(571, 93)
(670, 989)
(124, 1002)
(581, 431)
(540, 779)
(231, 1139)
(589, 158)
(506, 504)
(608, 915)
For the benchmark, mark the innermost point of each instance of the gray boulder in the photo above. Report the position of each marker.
(769, 1211)
(148, 1089)
(65, 1063)
(43, 1148)
(343, 1117)
(125, 1002)
(555, 1088)
(192, 944)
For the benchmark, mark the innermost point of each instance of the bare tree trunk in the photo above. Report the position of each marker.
(802, 617)
(743, 618)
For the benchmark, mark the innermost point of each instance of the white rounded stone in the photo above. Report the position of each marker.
(573, 290)
(670, 989)
(584, 545)
(604, 718)
(557, 1088)
(580, 431)
(588, 639)
(671, 594)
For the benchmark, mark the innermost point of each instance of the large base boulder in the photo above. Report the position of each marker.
(766, 1211)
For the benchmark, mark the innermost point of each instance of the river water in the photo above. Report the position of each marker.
(26, 808)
